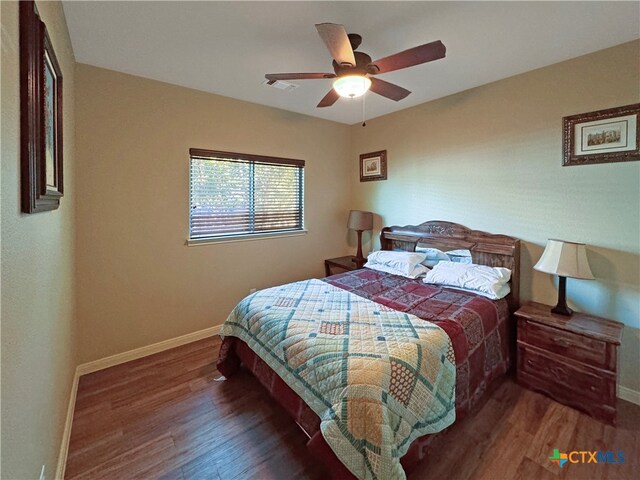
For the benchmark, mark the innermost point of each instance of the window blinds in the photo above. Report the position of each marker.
(234, 194)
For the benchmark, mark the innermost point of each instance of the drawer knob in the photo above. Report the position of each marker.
(593, 388)
(562, 342)
(560, 373)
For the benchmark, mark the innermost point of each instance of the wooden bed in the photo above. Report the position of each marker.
(486, 249)
(490, 249)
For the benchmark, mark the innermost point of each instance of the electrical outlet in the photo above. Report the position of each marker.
(42, 477)
(252, 290)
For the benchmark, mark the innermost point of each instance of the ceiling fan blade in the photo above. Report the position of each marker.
(329, 99)
(335, 38)
(408, 58)
(272, 77)
(389, 90)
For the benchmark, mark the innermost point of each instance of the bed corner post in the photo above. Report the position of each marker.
(385, 244)
(515, 277)
(228, 362)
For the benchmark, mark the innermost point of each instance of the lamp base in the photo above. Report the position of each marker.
(561, 308)
(359, 259)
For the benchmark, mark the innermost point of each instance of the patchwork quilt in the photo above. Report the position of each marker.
(476, 325)
(377, 378)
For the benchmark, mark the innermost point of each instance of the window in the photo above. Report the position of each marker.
(236, 195)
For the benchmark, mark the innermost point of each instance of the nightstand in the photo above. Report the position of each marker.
(571, 359)
(345, 263)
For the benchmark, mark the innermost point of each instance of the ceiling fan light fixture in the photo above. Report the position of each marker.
(351, 86)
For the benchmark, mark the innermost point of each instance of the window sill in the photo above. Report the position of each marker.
(243, 238)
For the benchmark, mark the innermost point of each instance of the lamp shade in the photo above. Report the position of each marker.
(567, 259)
(359, 220)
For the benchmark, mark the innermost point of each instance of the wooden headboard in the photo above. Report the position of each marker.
(489, 249)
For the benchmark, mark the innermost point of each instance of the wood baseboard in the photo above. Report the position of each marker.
(141, 352)
(66, 433)
(624, 393)
(629, 395)
(111, 361)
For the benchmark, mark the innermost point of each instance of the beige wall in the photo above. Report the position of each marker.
(38, 340)
(138, 282)
(490, 158)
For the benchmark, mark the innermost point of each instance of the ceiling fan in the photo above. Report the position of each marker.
(354, 70)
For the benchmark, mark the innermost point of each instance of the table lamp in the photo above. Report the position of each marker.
(565, 259)
(360, 221)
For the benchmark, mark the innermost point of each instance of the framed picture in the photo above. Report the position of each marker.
(40, 115)
(373, 166)
(604, 136)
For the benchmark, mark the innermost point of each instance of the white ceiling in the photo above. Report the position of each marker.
(227, 47)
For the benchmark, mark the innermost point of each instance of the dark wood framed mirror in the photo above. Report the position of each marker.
(40, 115)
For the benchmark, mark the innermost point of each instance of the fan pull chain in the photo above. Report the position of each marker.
(364, 124)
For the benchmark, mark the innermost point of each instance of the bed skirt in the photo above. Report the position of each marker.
(234, 353)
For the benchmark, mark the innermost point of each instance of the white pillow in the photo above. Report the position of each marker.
(433, 256)
(418, 271)
(403, 262)
(460, 256)
(479, 278)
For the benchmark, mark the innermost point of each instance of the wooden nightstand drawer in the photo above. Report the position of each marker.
(570, 379)
(583, 349)
(572, 359)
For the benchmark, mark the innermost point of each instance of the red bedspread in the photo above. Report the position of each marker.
(477, 326)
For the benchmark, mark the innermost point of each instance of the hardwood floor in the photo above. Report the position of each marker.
(166, 417)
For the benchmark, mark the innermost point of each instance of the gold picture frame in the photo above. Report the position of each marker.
(604, 136)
